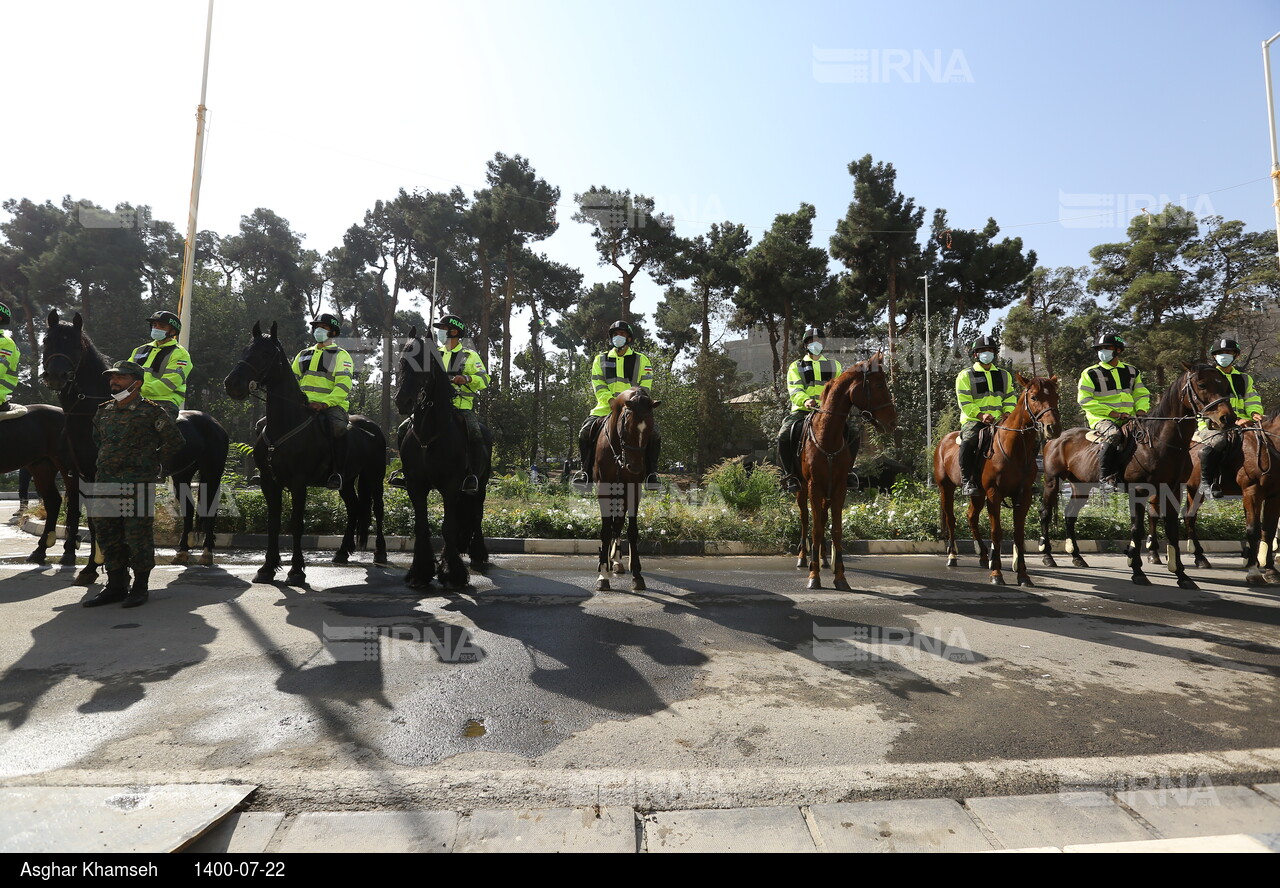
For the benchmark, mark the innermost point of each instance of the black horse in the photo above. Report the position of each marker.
(433, 451)
(292, 451)
(34, 440)
(74, 367)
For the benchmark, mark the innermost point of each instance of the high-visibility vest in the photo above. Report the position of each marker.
(168, 367)
(981, 390)
(462, 361)
(613, 373)
(8, 367)
(1245, 400)
(325, 375)
(807, 376)
(1103, 388)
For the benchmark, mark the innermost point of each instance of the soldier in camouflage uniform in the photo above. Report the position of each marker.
(135, 437)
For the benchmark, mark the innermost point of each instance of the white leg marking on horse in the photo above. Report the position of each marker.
(1174, 557)
(1254, 571)
(1070, 546)
(1263, 551)
(1017, 559)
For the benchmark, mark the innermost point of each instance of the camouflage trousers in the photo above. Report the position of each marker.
(126, 542)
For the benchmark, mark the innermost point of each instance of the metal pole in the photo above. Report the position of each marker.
(928, 373)
(1275, 161)
(189, 248)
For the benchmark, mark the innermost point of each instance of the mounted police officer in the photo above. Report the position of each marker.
(469, 377)
(986, 396)
(135, 437)
(8, 359)
(324, 373)
(1246, 403)
(166, 363)
(1111, 393)
(806, 377)
(614, 371)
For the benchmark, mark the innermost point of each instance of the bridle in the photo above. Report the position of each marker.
(615, 436)
(867, 413)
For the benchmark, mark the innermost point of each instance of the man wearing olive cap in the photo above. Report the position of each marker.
(166, 363)
(135, 437)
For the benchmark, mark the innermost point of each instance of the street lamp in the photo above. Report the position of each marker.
(928, 374)
(1271, 117)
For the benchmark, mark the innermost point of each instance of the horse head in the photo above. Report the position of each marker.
(424, 392)
(1206, 392)
(63, 349)
(870, 394)
(413, 358)
(1041, 396)
(258, 364)
(631, 419)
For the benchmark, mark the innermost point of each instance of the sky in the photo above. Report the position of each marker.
(1060, 121)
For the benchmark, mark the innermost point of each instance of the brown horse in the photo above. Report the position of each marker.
(1251, 468)
(1160, 465)
(618, 473)
(1010, 472)
(826, 457)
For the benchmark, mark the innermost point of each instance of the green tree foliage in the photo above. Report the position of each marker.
(977, 274)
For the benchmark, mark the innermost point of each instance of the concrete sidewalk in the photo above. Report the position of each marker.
(1194, 818)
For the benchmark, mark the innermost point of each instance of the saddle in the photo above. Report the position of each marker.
(14, 411)
(986, 440)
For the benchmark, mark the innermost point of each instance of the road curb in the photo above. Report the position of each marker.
(517, 546)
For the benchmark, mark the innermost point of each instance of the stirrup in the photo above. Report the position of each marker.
(969, 488)
(396, 479)
(651, 482)
(1212, 491)
(1108, 484)
(580, 482)
(471, 484)
(791, 484)
(334, 482)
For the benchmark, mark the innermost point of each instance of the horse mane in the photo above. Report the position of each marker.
(1170, 403)
(90, 350)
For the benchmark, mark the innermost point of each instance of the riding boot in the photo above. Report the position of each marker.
(586, 450)
(1211, 472)
(138, 594)
(970, 463)
(475, 460)
(116, 589)
(338, 452)
(787, 457)
(1109, 467)
(651, 481)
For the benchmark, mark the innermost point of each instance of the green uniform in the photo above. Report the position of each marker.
(8, 366)
(168, 365)
(134, 441)
(1103, 388)
(614, 372)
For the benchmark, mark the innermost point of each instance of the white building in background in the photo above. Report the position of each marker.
(753, 355)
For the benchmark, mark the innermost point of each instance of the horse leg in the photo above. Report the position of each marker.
(454, 575)
(1169, 514)
(802, 500)
(1191, 519)
(274, 495)
(44, 477)
(1070, 544)
(1048, 501)
(1137, 523)
(1267, 552)
(997, 539)
(1020, 509)
(1253, 535)
(89, 573)
(182, 499)
(946, 508)
(351, 503)
(72, 539)
(633, 543)
(1153, 538)
(210, 496)
(423, 567)
(979, 545)
(379, 516)
(297, 575)
(606, 547)
(815, 542)
(837, 544)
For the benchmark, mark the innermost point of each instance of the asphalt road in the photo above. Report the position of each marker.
(725, 683)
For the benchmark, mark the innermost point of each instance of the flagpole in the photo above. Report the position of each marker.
(189, 248)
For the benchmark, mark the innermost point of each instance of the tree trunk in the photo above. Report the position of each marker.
(481, 336)
(892, 306)
(506, 324)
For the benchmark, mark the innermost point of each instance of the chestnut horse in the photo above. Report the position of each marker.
(826, 457)
(1251, 468)
(619, 472)
(1160, 465)
(1010, 472)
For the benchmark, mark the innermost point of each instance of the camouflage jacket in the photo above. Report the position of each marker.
(134, 441)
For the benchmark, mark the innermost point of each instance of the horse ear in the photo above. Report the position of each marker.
(77, 322)
(1053, 378)
(657, 404)
(53, 318)
(273, 330)
(257, 330)
(1186, 366)
(413, 332)
(1022, 380)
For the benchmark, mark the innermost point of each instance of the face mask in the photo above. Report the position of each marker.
(442, 337)
(1105, 355)
(320, 333)
(123, 394)
(815, 348)
(158, 334)
(619, 341)
(1224, 360)
(986, 357)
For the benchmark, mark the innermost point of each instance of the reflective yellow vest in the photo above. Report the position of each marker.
(168, 367)
(325, 375)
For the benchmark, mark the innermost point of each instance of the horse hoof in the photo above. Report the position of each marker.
(85, 578)
(1079, 562)
(1048, 561)
(182, 557)
(1187, 583)
(801, 562)
(380, 558)
(602, 586)
(67, 560)
(265, 575)
(815, 583)
(1203, 562)
(997, 580)
(639, 585)
(341, 558)
(37, 558)
(413, 581)
(953, 562)
(1025, 581)
(296, 577)
(843, 585)
(1141, 579)
(1255, 579)
(205, 559)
